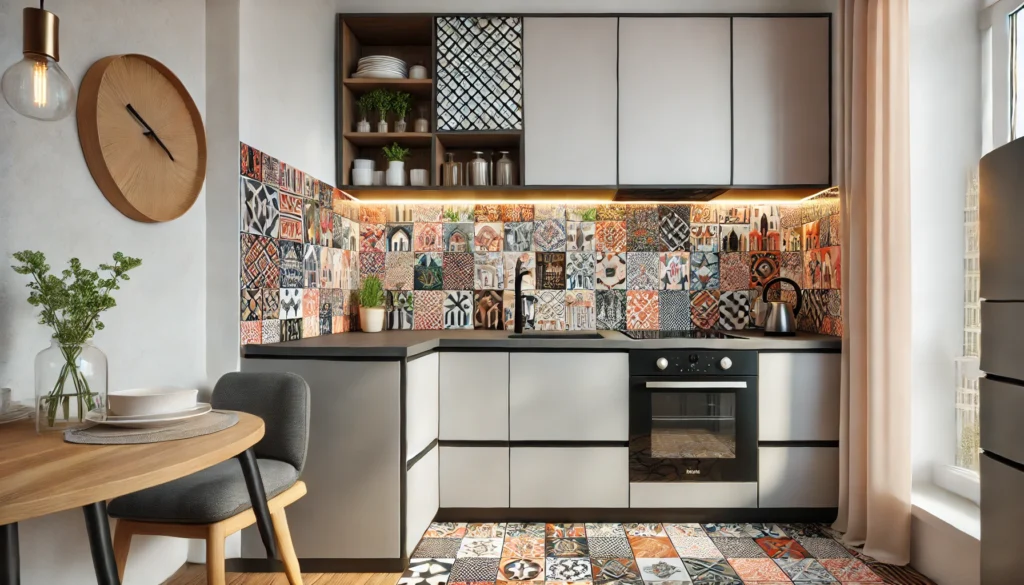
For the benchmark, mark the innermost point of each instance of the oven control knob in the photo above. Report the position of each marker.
(726, 363)
(662, 363)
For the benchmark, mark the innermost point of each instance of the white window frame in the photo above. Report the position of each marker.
(994, 22)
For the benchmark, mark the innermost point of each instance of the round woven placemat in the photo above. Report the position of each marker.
(213, 421)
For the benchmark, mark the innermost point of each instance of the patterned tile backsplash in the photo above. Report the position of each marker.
(305, 248)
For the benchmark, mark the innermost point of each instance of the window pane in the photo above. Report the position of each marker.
(1017, 74)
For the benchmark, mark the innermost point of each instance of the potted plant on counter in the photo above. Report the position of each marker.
(371, 305)
(71, 374)
(401, 105)
(396, 156)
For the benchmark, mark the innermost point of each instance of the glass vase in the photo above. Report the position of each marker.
(71, 380)
(400, 125)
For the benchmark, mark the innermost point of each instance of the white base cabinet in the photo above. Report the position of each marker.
(422, 498)
(420, 403)
(474, 396)
(798, 396)
(694, 494)
(597, 477)
(798, 477)
(475, 477)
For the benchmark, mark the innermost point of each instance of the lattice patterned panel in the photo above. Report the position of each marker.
(479, 73)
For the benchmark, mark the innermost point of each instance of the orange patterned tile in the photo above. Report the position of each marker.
(642, 309)
(758, 570)
(652, 547)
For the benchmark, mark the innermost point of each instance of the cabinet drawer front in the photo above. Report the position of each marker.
(1001, 519)
(474, 396)
(474, 477)
(569, 397)
(1001, 324)
(596, 477)
(694, 494)
(570, 100)
(798, 396)
(674, 100)
(798, 477)
(1001, 430)
(421, 498)
(420, 403)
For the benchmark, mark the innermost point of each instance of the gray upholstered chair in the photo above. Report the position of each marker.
(215, 502)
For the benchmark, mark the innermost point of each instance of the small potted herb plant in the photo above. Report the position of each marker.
(71, 374)
(396, 156)
(380, 101)
(401, 105)
(371, 305)
(364, 105)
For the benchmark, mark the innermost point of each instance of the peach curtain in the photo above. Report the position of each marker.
(874, 444)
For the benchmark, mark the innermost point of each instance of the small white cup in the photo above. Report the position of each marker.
(362, 177)
(363, 163)
(417, 72)
(418, 177)
(378, 177)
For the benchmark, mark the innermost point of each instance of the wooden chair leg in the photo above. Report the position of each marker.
(122, 544)
(215, 555)
(283, 536)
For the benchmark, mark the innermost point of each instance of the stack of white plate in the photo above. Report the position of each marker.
(382, 67)
(149, 407)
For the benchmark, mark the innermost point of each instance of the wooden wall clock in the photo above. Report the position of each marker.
(142, 137)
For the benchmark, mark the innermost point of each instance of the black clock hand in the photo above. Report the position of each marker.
(149, 131)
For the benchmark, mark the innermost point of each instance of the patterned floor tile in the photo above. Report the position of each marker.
(523, 547)
(669, 570)
(799, 531)
(531, 529)
(652, 547)
(683, 530)
(521, 570)
(605, 530)
(697, 547)
(823, 548)
(744, 530)
(739, 548)
(782, 548)
(805, 570)
(565, 530)
(615, 570)
(717, 571)
(446, 530)
(644, 529)
(758, 570)
(850, 570)
(567, 569)
(444, 548)
(480, 547)
(609, 547)
(427, 572)
(567, 548)
(474, 569)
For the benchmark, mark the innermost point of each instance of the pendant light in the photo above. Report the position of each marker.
(36, 86)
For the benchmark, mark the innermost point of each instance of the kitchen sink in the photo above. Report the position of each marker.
(554, 335)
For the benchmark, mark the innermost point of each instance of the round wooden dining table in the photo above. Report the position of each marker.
(41, 474)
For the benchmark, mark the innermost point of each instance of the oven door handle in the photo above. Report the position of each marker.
(694, 385)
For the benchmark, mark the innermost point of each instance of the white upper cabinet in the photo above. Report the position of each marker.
(569, 95)
(781, 101)
(674, 101)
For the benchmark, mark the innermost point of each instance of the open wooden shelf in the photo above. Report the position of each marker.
(488, 139)
(479, 193)
(406, 139)
(420, 88)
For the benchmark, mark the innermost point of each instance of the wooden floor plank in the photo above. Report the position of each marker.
(191, 574)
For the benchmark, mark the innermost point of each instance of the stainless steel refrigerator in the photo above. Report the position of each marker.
(1001, 208)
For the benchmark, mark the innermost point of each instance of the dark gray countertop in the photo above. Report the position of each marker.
(401, 344)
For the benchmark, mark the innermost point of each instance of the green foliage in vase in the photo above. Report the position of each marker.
(71, 305)
(365, 104)
(372, 293)
(395, 152)
(380, 101)
(401, 104)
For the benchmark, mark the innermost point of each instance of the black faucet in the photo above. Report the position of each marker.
(520, 273)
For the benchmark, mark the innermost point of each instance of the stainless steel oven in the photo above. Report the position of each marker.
(692, 416)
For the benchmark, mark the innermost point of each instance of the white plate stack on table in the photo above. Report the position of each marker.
(143, 408)
(11, 411)
(381, 67)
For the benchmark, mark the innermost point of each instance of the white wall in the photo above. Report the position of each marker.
(584, 6)
(286, 82)
(945, 144)
(156, 333)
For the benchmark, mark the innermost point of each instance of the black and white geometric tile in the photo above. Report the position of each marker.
(611, 309)
(739, 548)
(579, 270)
(674, 223)
(458, 309)
(469, 569)
(568, 569)
(674, 310)
(261, 208)
(291, 303)
(427, 572)
(734, 310)
(609, 547)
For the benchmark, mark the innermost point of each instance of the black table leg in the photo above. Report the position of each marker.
(98, 526)
(258, 499)
(10, 571)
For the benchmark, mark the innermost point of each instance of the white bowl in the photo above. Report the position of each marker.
(362, 177)
(363, 163)
(418, 177)
(417, 72)
(150, 401)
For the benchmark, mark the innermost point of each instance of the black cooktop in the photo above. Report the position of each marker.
(680, 334)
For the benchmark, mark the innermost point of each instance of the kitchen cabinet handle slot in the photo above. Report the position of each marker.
(683, 385)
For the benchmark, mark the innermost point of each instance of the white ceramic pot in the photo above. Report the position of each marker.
(148, 401)
(420, 125)
(418, 177)
(371, 319)
(378, 178)
(362, 177)
(396, 173)
(382, 127)
(363, 126)
(417, 72)
(400, 125)
(363, 163)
